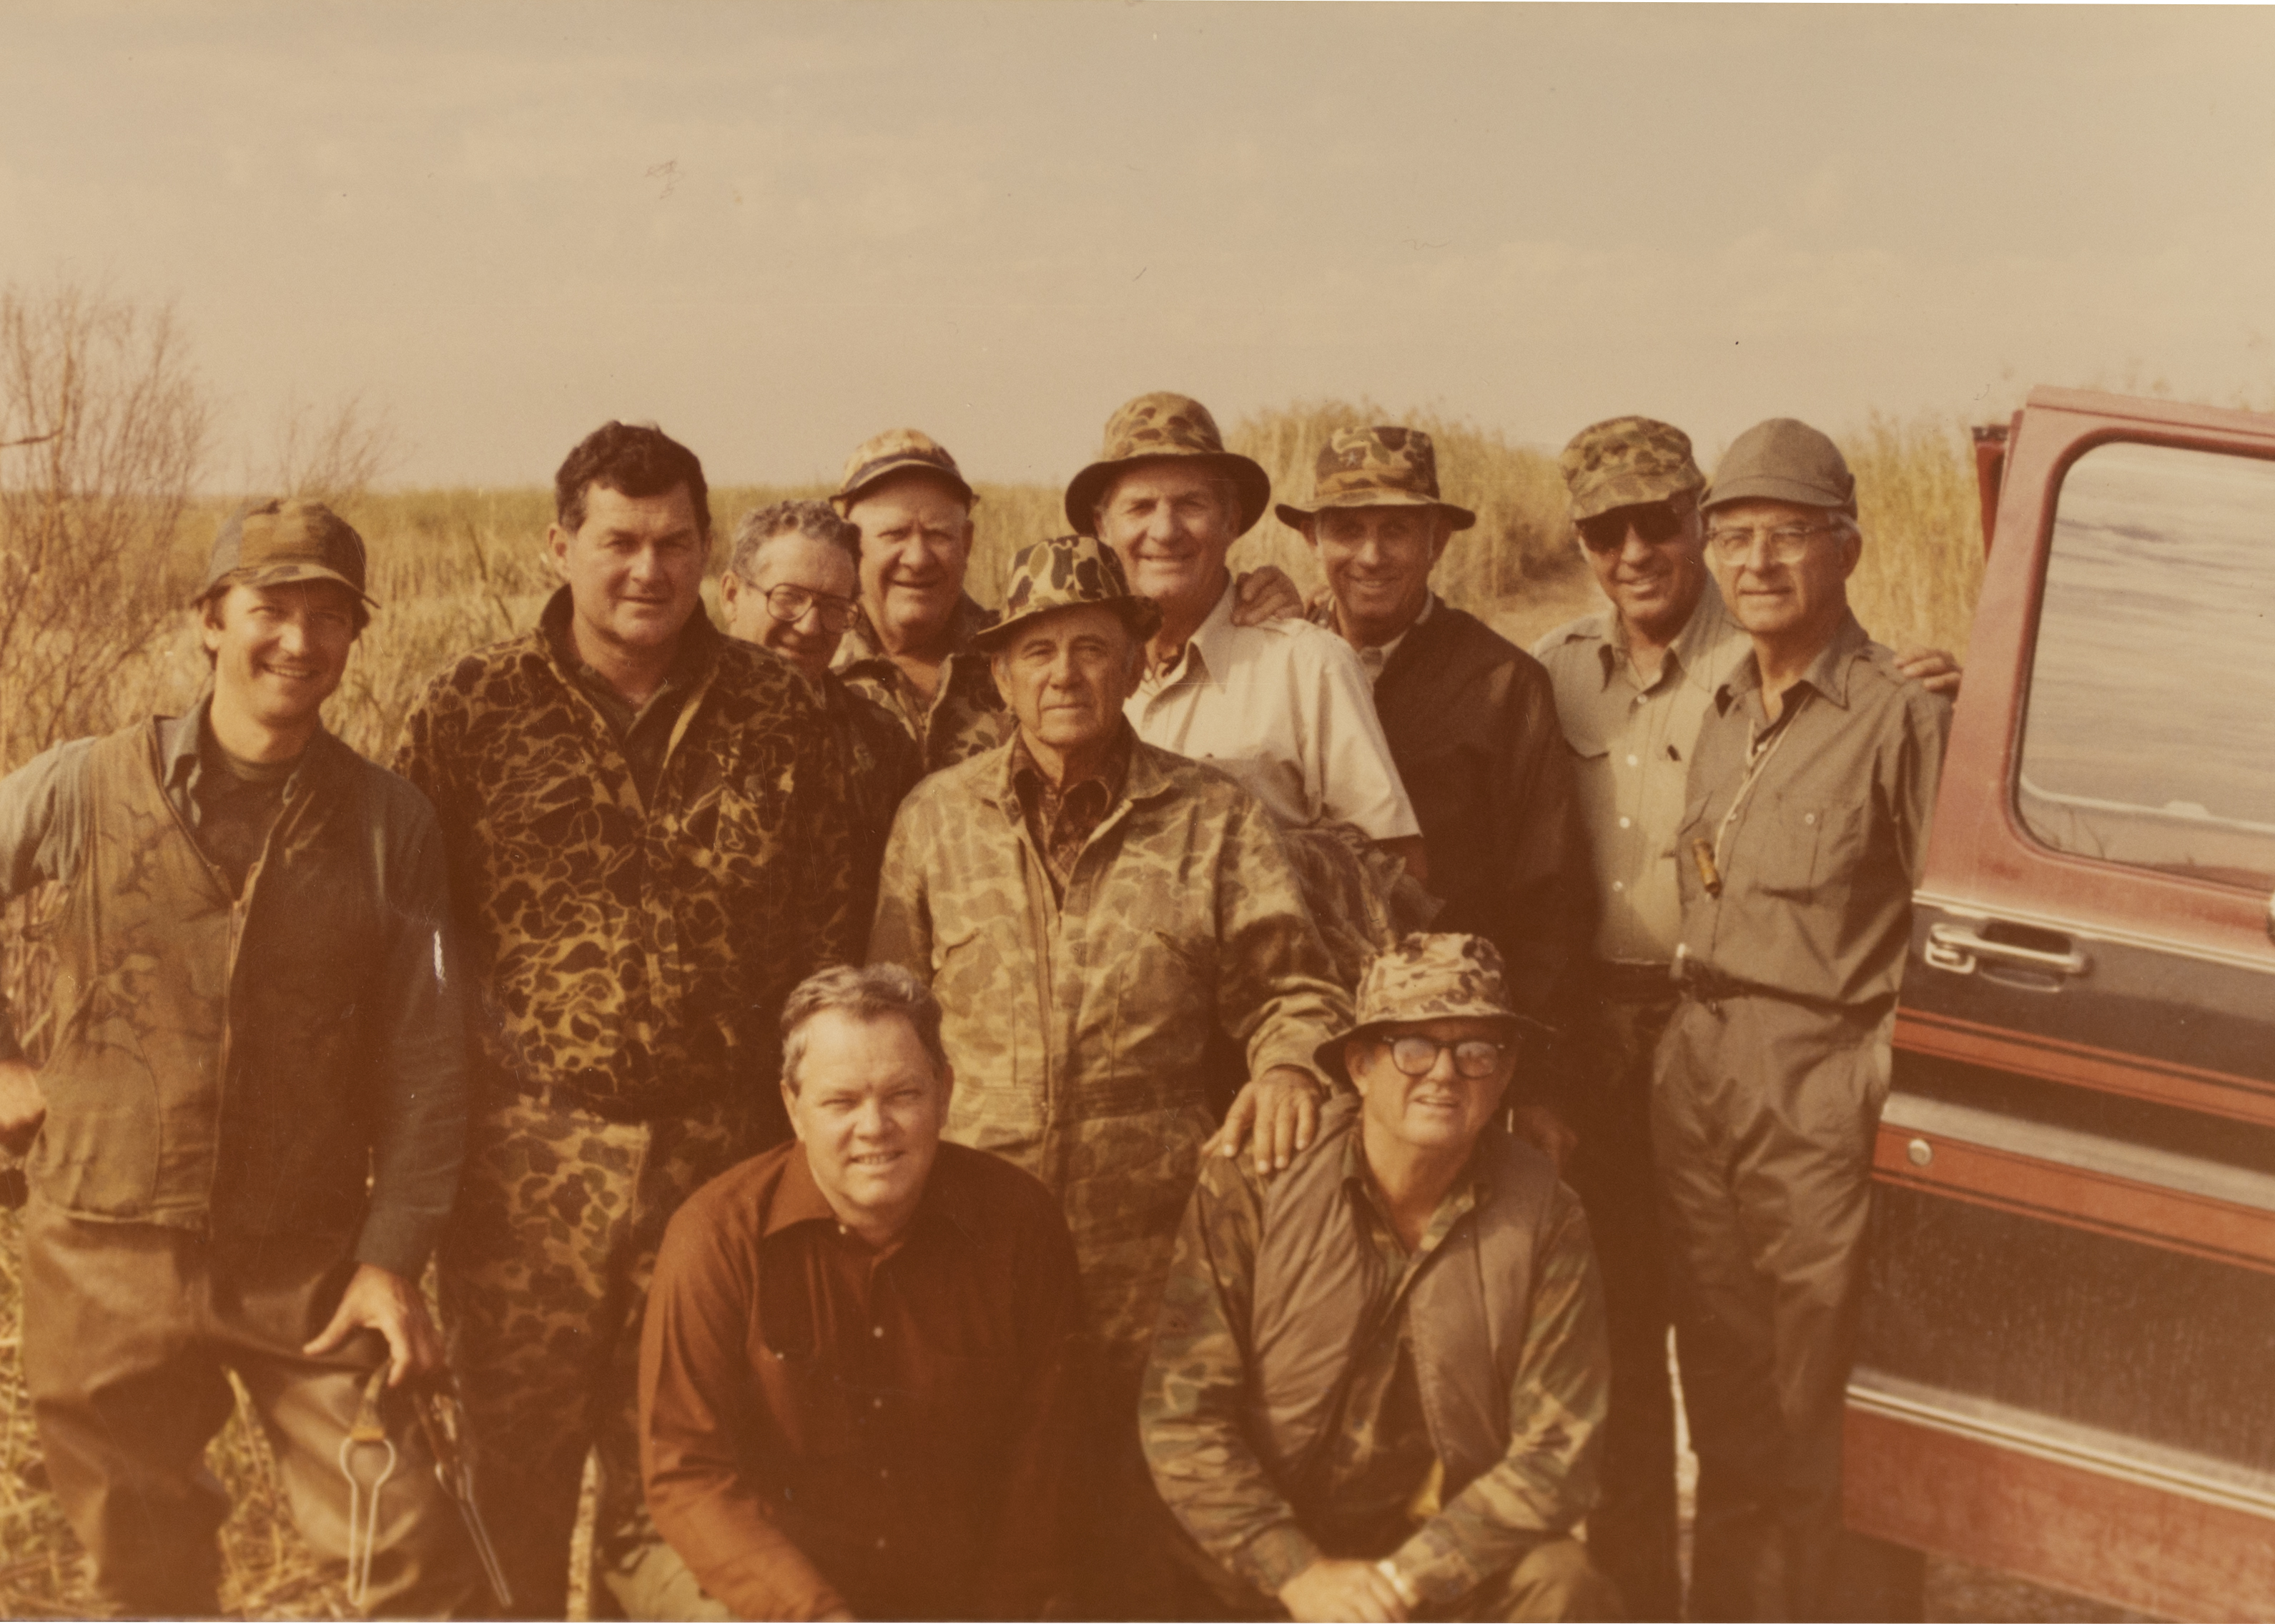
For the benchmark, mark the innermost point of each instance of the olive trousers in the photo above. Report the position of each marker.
(1764, 1113)
(129, 1330)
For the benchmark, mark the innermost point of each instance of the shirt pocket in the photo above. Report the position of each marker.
(1800, 845)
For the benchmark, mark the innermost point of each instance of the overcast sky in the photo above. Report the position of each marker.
(776, 228)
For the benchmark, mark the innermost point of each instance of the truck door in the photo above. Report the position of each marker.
(2067, 1356)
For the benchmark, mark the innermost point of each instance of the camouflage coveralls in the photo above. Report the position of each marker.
(1077, 1030)
(629, 959)
(965, 714)
(1493, 1549)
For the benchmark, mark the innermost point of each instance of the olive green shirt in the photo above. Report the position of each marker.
(1817, 826)
(1632, 742)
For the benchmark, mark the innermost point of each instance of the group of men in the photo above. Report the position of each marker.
(1073, 1111)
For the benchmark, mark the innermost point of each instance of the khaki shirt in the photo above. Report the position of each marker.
(1078, 1030)
(1288, 710)
(1818, 824)
(1633, 745)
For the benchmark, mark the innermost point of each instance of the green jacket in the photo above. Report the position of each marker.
(1077, 1032)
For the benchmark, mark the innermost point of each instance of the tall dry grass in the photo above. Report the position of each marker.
(456, 569)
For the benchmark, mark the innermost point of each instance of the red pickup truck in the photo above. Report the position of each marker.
(2067, 1358)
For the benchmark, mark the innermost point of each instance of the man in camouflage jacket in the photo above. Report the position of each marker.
(1377, 1379)
(1088, 910)
(646, 834)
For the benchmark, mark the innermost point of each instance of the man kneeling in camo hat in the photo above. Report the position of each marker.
(1378, 1378)
(1088, 909)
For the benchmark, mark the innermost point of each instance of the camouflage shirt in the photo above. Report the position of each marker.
(1378, 1492)
(1077, 1029)
(630, 955)
(965, 714)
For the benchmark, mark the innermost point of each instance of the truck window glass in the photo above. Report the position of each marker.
(2150, 738)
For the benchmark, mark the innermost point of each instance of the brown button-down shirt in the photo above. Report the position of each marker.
(1817, 827)
(825, 1424)
(1061, 816)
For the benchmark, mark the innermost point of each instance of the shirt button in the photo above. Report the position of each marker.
(876, 1330)
(1809, 817)
(1624, 822)
(1618, 884)
(880, 1542)
(876, 1403)
(1631, 760)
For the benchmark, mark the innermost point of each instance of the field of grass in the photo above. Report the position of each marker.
(453, 569)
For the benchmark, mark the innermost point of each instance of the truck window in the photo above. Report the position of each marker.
(2149, 737)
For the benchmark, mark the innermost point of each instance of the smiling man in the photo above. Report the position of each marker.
(1377, 1379)
(1089, 909)
(1809, 802)
(648, 846)
(247, 1133)
(860, 1375)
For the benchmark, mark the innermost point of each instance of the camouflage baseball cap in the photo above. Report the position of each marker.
(1426, 977)
(1068, 572)
(1784, 459)
(1163, 425)
(1381, 467)
(898, 451)
(275, 541)
(1622, 462)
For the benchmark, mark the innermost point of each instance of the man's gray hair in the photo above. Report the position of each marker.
(865, 994)
(815, 520)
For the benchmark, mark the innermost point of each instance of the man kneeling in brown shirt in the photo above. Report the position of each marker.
(859, 1371)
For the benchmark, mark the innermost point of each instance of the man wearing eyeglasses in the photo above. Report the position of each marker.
(791, 586)
(1805, 832)
(1633, 685)
(1376, 1385)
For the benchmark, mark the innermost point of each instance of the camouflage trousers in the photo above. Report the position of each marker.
(1360, 897)
(545, 1271)
(1553, 1581)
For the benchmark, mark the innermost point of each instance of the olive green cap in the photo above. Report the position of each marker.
(277, 542)
(1385, 466)
(1162, 426)
(1784, 459)
(1426, 977)
(1069, 572)
(1625, 462)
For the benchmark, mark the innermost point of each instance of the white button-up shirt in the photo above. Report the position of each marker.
(1285, 708)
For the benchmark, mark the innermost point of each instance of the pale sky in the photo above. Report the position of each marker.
(778, 228)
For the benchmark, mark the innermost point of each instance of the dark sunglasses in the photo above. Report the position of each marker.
(1654, 521)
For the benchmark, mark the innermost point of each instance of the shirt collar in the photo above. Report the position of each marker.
(1212, 643)
(1693, 648)
(1112, 766)
(698, 643)
(1827, 674)
(181, 740)
(797, 1200)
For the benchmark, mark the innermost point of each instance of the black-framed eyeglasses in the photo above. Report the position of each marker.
(1473, 1057)
(789, 605)
(1655, 521)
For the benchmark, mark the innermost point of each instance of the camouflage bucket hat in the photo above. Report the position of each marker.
(1624, 462)
(275, 542)
(1427, 978)
(1068, 572)
(1381, 467)
(897, 451)
(1784, 459)
(1163, 425)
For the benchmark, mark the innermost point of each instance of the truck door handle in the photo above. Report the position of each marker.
(1955, 947)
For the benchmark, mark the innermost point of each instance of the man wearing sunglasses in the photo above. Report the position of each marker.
(1377, 1381)
(792, 584)
(1805, 834)
(1633, 685)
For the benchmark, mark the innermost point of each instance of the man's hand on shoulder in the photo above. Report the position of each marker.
(1279, 1109)
(1332, 1590)
(1933, 669)
(23, 1105)
(1264, 594)
(391, 1305)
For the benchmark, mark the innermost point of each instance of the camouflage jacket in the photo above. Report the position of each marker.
(1375, 1490)
(1077, 1033)
(965, 716)
(632, 960)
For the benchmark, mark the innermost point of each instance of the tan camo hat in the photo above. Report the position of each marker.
(276, 541)
(1427, 978)
(1068, 572)
(1625, 462)
(1784, 459)
(898, 451)
(1381, 467)
(1163, 425)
